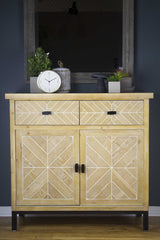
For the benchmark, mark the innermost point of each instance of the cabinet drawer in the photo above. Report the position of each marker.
(111, 113)
(47, 112)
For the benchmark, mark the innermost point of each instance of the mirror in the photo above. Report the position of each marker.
(87, 40)
(96, 39)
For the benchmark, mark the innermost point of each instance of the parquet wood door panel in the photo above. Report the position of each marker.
(127, 112)
(114, 167)
(45, 167)
(62, 112)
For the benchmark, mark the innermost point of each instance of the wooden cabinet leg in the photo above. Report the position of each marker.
(14, 221)
(145, 221)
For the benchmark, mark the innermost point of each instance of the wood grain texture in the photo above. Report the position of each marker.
(82, 208)
(79, 96)
(114, 167)
(62, 112)
(29, 31)
(128, 37)
(127, 112)
(80, 228)
(118, 157)
(12, 155)
(78, 127)
(146, 152)
(45, 168)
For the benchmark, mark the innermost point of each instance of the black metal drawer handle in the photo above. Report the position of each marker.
(46, 113)
(83, 168)
(111, 112)
(76, 167)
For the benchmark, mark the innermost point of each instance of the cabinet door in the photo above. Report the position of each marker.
(113, 162)
(46, 167)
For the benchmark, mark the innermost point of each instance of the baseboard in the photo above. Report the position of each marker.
(153, 211)
(5, 211)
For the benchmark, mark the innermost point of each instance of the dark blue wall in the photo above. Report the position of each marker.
(147, 64)
(147, 78)
(11, 80)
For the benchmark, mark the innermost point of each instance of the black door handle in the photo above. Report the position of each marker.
(76, 167)
(46, 113)
(111, 112)
(83, 168)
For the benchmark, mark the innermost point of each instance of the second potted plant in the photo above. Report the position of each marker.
(114, 84)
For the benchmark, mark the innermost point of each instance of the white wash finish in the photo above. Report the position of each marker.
(113, 148)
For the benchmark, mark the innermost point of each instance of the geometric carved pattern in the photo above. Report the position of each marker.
(62, 112)
(112, 167)
(47, 168)
(127, 112)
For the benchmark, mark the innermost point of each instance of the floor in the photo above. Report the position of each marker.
(79, 228)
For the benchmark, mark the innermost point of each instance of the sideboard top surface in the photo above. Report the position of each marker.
(79, 96)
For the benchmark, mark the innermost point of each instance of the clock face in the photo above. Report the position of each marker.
(49, 81)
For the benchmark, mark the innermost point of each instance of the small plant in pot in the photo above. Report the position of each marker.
(114, 84)
(37, 63)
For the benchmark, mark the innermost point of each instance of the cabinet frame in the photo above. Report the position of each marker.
(142, 209)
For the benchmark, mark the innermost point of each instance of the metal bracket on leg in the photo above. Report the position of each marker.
(145, 221)
(14, 221)
(138, 214)
(21, 214)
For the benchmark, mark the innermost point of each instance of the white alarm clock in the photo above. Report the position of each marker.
(49, 81)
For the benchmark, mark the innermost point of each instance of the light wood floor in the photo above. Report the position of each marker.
(79, 228)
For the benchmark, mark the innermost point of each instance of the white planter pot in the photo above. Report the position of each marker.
(114, 87)
(33, 85)
(65, 75)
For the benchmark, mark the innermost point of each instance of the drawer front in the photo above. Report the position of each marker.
(47, 112)
(111, 113)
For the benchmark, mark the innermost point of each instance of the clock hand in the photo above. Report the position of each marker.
(47, 80)
(53, 79)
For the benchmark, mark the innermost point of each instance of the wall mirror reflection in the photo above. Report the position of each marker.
(86, 35)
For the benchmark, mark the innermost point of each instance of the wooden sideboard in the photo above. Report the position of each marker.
(79, 152)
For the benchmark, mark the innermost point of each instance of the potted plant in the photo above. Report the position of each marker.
(114, 85)
(37, 63)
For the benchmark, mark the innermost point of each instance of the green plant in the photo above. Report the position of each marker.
(118, 75)
(38, 62)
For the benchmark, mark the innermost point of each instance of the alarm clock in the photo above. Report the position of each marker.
(49, 81)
